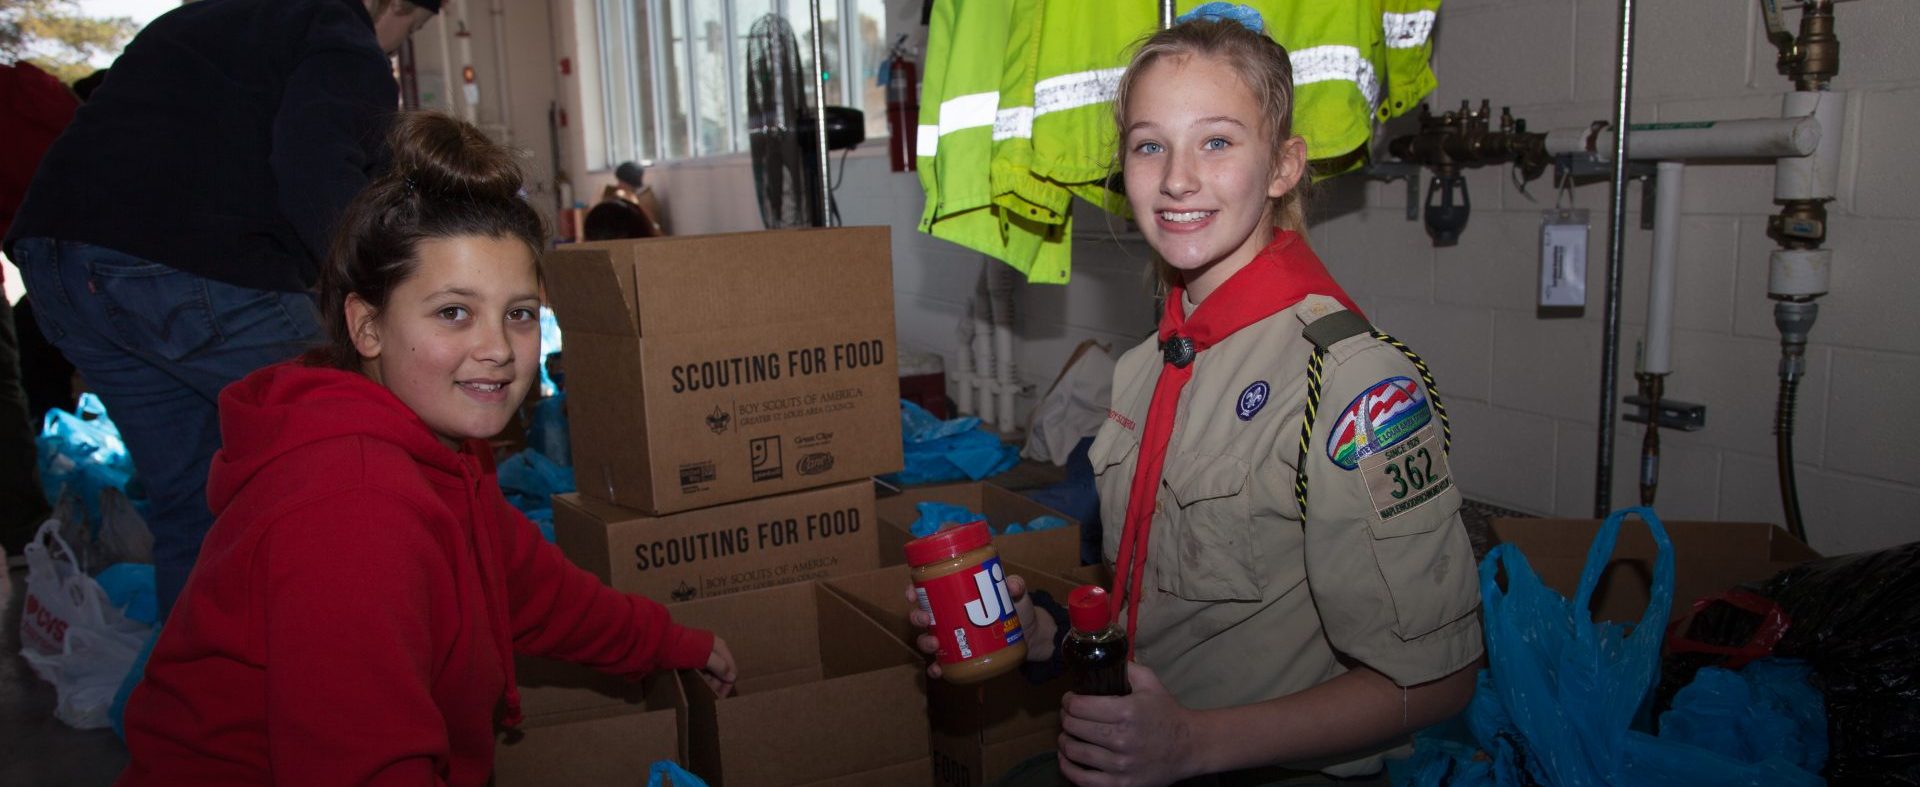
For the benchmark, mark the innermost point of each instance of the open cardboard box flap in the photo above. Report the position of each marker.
(825, 693)
(1056, 550)
(662, 287)
(1709, 557)
(980, 730)
(574, 735)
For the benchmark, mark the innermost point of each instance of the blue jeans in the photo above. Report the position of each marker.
(157, 344)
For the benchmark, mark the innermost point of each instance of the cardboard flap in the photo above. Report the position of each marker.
(591, 290)
(852, 642)
(773, 277)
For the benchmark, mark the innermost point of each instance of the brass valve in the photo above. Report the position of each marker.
(1466, 138)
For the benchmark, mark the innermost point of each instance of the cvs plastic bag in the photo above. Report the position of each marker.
(71, 634)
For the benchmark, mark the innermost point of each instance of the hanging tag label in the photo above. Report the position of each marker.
(1563, 258)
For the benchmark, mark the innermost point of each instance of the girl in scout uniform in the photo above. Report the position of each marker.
(1294, 575)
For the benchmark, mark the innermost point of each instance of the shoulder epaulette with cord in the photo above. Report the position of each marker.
(1325, 333)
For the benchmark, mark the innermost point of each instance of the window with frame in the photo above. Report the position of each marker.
(673, 72)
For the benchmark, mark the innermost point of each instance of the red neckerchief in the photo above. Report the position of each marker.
(1281, 275)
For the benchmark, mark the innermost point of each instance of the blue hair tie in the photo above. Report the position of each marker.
(1226, 12)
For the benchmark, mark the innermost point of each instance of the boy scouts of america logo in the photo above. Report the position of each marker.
(1251, 400)
(1386, 413)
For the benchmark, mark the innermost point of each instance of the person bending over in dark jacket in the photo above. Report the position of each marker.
(226, 141)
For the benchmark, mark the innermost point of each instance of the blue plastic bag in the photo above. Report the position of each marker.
(550, 343)
(529, 480)
(117, 712)
(129, 586)
(82, 452)
(934, 515)
(1766, 709)
(937, 451)
(1044, 522)
(1564, 700)
(547, 433)
(676, 776)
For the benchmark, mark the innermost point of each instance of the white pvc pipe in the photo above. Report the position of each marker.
(470, 94)
(499, 14)
(962, 377)
(1666, 253)
(1816, 176)
(446, 62)
(1000, 288)
(983, 348)
(1709, 139)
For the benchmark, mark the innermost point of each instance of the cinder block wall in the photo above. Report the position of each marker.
(1524, 391)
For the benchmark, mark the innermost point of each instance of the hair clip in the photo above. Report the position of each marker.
(410, 185)
(1247, 16)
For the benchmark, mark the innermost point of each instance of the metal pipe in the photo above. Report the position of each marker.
(820, 116)
(1652, 387)
(1166, 14)
(1616, 248)
(1666, 266)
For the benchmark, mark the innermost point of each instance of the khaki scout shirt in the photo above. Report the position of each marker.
(1243, 601)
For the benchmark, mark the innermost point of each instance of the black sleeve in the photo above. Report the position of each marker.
(1038, 672)
(329, 127)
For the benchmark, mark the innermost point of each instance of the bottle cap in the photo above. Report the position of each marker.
(1089, 608)
(948, 543)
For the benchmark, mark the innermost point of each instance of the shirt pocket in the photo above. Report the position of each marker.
(1209, 554)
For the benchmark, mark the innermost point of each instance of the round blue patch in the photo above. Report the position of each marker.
(1251, 400)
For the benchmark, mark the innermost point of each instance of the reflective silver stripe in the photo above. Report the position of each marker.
(1013, 122)
(1057, 94)
(1072, 91)
(970, 111)
(1406, 31)
(928, 141)
(1333, 62)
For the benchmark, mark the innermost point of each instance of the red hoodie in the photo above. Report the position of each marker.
(348, 620)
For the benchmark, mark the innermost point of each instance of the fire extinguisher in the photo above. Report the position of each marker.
(903, 108)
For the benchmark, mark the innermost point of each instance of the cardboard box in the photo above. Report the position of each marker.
(982, 730)
(1054, 550)
(709, 369)
(582, 730)
(725, 549)
(1708, 557)
(549, 687)
(825, 695)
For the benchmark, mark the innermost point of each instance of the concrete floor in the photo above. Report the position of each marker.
(37, 750)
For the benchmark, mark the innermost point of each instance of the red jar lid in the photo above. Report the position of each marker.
(1089, 608)
(949, 543)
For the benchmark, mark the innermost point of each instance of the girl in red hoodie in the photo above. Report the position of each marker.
(354, 612)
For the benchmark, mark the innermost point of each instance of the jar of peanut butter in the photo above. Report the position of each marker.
(963, 589)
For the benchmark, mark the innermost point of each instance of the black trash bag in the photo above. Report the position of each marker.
(1856, 618)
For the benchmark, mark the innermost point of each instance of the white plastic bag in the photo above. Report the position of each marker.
(71, 635)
